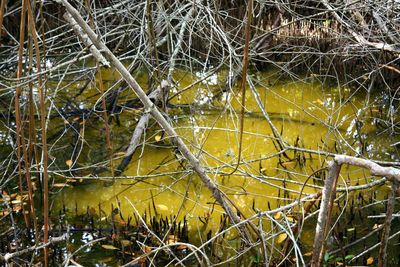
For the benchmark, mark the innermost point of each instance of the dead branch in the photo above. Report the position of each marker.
(334, 166)
(140, 128)
(52, 240)
(323, 216)
(152, 109)
(358, 37)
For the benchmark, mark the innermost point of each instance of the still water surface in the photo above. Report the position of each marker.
(308, 114)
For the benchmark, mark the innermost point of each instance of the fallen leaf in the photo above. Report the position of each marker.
(111, 247)
(69, 163)
(370, 260)
(60, 185)
(278, 215)
(162, 207)
(288, 163)
(290, 218)
(181, 247)
(147, 249)
(281, 237)
(157, 138)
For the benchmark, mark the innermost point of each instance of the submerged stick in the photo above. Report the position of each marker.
(138, 132)
(75, 19)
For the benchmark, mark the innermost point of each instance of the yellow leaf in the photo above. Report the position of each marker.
(281, 237)
(162, 207)
(157, 138)
(111, 247)
(307, 254)
(278, 215)
(181, 247)
(69, 163)
(290, 218)
(172, 239)
(370, 260)
(16, 202)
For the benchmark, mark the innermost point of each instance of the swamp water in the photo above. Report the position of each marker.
(309, 115)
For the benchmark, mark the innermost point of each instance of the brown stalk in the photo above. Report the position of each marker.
(32, 136)
(103, 99)
(18, 122)
(42, 105)
(245, 63)
(105, 116)
(2, 8)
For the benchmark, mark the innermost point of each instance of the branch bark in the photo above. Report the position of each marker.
(324, 215)
(382, 257)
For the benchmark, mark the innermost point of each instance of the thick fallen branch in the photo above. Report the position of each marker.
(324, 215)
(75, 19)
